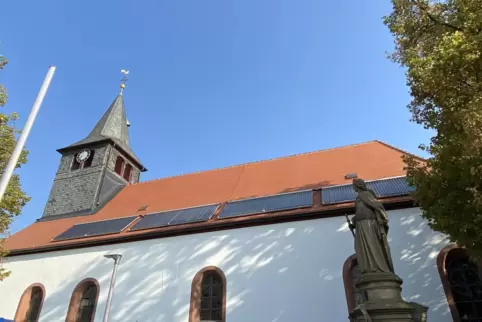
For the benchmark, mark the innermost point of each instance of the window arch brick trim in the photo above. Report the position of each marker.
(441, 259)
(23, 304)
(347, 282)
(77, 295)
(196, 292)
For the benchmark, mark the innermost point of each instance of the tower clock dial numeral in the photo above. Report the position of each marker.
(83, 155)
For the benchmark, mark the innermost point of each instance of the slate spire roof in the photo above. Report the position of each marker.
(113, 126)
(113, 123)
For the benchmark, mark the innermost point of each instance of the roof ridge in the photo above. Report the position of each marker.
(400, 150)
(262, 161)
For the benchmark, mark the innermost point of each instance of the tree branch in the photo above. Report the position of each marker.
(434, 19)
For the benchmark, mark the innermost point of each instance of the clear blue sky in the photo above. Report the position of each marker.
(212, 83)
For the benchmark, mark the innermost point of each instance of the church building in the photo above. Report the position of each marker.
(266, 241)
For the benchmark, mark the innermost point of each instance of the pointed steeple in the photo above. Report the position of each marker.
(95, 169)
(113, 126)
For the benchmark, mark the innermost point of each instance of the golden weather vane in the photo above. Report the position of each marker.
(123, 80)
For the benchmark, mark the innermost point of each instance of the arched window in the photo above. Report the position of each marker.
(83, 301)
(208, 296)
(351, 274)
(462, 284)
(82, 159)
(128, 172)
(88, 162)
(30, 303)
(75, 164)
(119, 165)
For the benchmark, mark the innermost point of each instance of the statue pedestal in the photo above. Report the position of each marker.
(382, 301)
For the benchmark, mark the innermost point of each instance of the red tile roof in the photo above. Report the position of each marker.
(370, 160)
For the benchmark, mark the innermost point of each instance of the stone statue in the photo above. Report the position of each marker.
(379, 287)
(371, 225)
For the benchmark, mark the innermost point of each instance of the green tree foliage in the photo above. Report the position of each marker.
(15, 198)
(440, 44)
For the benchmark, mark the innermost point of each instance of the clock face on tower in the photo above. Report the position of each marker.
(83, 155)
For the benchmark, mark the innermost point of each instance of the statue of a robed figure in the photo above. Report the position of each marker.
(380, 288)
(371, 225)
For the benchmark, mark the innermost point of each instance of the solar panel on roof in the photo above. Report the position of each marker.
(194, 215)
(154, 220)
(96, 228)
(383, 188)
(176, 217)
(337, 194)
(286, 201)
(391, 187)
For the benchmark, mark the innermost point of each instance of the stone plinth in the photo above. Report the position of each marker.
(382, 301)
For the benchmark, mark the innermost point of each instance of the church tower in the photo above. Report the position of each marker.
(92, 171)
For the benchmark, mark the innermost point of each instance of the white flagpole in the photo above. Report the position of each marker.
(7, 173)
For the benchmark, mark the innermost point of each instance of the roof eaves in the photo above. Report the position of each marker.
(67, 215)
(83, 143)
(129, 153)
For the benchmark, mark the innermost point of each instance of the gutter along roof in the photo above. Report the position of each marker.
(370, 160)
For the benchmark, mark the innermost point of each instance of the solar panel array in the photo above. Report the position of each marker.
(300, 199)
(286, 201)
(176, 217)
(96, 228)
(383, 188)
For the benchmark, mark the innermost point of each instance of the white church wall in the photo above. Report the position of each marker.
(275, 273)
